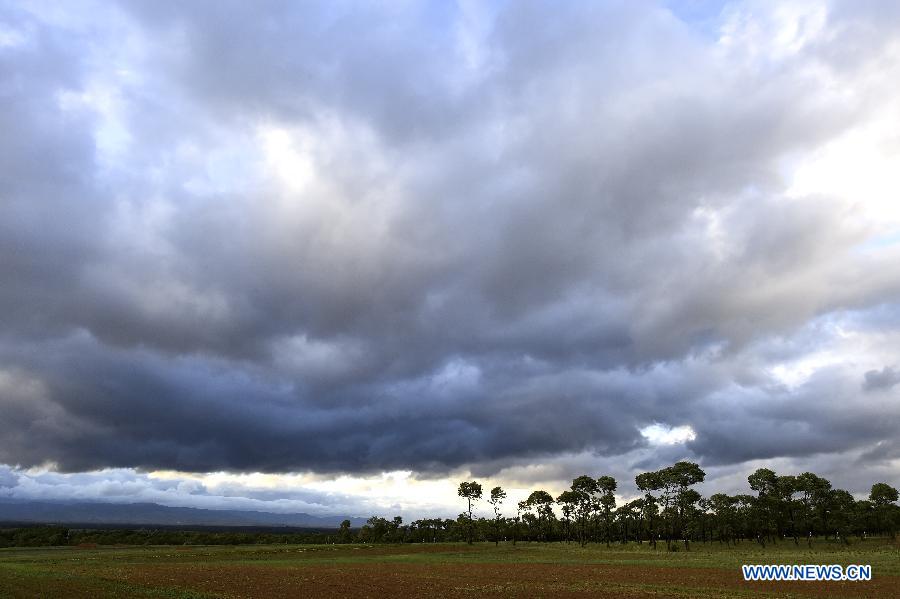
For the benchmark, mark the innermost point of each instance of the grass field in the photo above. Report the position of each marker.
(446, 570)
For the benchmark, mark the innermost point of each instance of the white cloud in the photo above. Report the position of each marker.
(662, 434)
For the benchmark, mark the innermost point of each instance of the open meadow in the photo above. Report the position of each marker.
(444, 569)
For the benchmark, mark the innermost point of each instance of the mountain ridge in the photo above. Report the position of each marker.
(148, 513)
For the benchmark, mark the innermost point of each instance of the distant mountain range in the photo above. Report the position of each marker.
(154, 514)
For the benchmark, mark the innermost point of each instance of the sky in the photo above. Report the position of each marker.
(336, 257)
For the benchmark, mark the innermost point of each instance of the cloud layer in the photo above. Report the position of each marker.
(354, 239)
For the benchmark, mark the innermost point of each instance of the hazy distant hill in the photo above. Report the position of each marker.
(152, 513)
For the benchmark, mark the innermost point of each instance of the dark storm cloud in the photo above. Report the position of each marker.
(885, 378)
(48, 205)
(96, 407)
(270, 237)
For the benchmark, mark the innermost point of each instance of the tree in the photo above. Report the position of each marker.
(568, 500)
(786, 487)
(864, 518)
(649, 482)
(542, 503)
(606, 485)
(690, 515)
(470, 491)
(345, 531)
(428, 529)
(520, 507)
(681, 476)
(627, 514)
(816, 494)
(666, 481)
(374, 530)
(723, 509)
(529, 519)
(764, 482)
(883, 496)
(496, 499)
(842, 506)
(584, 488)
(396, 530)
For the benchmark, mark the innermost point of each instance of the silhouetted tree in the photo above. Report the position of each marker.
(647, 482)
(764, 482)
(568, 500)
(680, 477)
(470, 491)
(496, 499)
(626, 515)
(584, 488)
(344, 532)
(542, 503)
(786, 488)
(606, 485)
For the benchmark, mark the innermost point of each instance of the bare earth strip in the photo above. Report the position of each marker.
(490, 580)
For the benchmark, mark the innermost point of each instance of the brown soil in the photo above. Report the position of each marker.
(490, 580)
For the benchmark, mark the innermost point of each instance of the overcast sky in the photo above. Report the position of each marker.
(336, 256)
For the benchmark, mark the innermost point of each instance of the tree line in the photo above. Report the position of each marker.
(781, 508)
(48, 536)
(796, 509)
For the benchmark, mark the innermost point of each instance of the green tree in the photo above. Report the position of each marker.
(786, 488)
(765, 483)
(842, 506)
(679, 498)
(521, 507)
(647, 482)
(584, 488)
(626, 515)
(883, 497)
(345, 531)
(375, 530)
(496, 499)
(542, 503)
(568, 500)
(471, 492)
(606, 485)
(396, 530)
(816, 493)
(723, 510)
